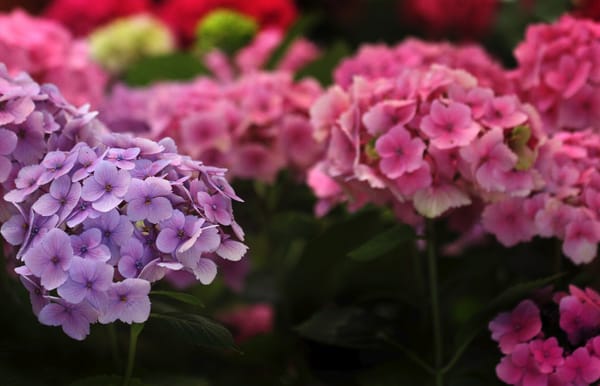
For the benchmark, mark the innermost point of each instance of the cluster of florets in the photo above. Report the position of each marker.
(95, 226)
(566, 207)
(555, 343)
(255, 126)
(559, 72)
(429, 139)
(254, 56)
(381, 61)
(49, 53)
(123, 42)
(34, 120)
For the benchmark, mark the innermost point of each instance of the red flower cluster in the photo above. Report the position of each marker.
(463, 18)
(83, 16)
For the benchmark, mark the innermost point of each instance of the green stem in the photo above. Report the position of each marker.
(438, 347)
(136, 329)
(408, 353)
(114, 346)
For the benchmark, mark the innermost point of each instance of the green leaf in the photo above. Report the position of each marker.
(300, 27)
(198, 330)
(176, 66)
(322, 68)
(180, 296)
(106, 380)
(383, 243)
(349, 327)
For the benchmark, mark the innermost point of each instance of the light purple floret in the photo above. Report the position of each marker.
(146, 200)
(50, 259)
(127, 301)
(106, 188)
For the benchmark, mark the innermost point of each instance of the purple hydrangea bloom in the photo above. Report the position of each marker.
(50, 259)
(7, 145)
(216, 208)
(57, 164)
(89, 245)
(61, 200)
(127, 301)
(147, 200)
(107, 187)
(133, 259)
(88, 279)
(96, 222)
(75, 319)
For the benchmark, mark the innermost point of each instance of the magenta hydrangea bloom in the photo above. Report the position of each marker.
(564, 202)
(255, 126)
(381, 61)
(521, 325)
(50, 54)
(422, 143)
(558, 72)
(540, 358)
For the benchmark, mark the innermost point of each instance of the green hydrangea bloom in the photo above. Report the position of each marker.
(125, 41)
(224, 29)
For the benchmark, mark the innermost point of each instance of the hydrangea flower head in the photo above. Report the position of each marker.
(419, 139)
(50, 54)
(380, 61)
(558, 72)
(121, 43)
(543, 359)
(566, 205)
(101, 224)
(224, 29)
(255, 126)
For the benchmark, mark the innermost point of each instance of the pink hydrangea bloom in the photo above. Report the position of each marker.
(50, 54)
(520, 368)
(256, 125)
(249, 321)
(580, 368)
(381, 61)
(558, 72)
(519, 326)
(544, 359)
(564, 198)
(407, 140)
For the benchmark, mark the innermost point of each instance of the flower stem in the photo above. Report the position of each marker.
(136, 329)
(438, 347)
(114, 346)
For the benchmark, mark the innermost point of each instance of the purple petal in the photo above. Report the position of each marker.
(60, 187)
(106, 203)
(52, 315)
(161, 209)
(92, 190)
(232, 250)
(138, 209)
(72, 291)
(8, 143)
(46, 205)
(53, 276)
(205, 271)
(167, 240)
(14, 230)
(5, 168)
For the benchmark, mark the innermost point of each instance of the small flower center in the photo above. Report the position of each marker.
(35, 230)
(214, 206)
(148, 201)
(399, 152)
(89, 285)
(139, 265)
(107, 233)
(123, 298)
(108, 188)
(54, 260)
(83, 250)
(180, 234)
